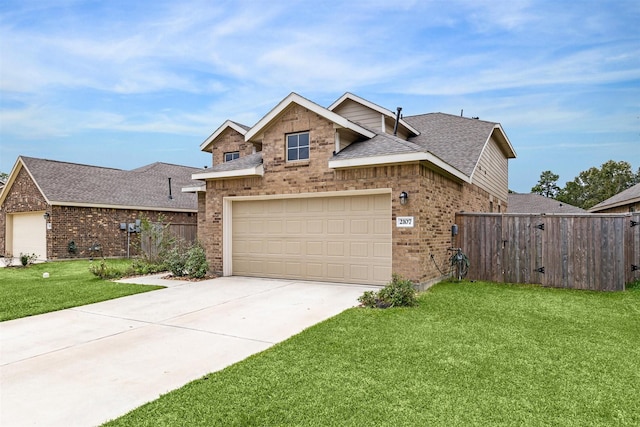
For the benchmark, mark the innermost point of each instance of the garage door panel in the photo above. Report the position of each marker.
(293, 248)
(315, 248)
(359, 226)
(335, 226)
(324, 238)
(335, 248)
(359, 272)
(381, 226)
(336, 204)
(315, 226)
(382, 250)
(274, 247)
(381, 274)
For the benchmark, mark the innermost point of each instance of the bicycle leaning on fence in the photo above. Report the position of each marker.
(459, 263)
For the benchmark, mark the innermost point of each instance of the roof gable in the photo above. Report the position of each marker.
(256, 131)
(368, 104)
(229, 124)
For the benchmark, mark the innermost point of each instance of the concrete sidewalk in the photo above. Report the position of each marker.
(86, 365)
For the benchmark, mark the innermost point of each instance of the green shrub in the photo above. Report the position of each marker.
(176, 260)
(107, 272)
(196, 265)
(143, 266)
(26, 259)
(397, 293)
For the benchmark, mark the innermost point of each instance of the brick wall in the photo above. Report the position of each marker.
(433, 198)
(227, 142)
(89, 226)
(84, 226)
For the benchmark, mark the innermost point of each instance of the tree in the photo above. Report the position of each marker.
(547, 185)
(4, 176)
(594, 185)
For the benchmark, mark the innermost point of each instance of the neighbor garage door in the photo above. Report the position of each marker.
(29, 234)
(341, 239)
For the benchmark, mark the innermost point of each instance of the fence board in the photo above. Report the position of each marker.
(186, 232)
(577, 251)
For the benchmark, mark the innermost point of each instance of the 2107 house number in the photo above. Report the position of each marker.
(404, 221)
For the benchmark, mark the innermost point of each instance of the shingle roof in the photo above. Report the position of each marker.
(244, 162)
(144, 187)
(536, 203)
(628, 196)
(379, 145)
(456, 140)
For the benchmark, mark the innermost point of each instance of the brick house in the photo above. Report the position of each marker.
(60, 210)
(350, 193)
(625, 201)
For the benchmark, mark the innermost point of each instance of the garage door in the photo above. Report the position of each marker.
(344, 239)
(29, 234)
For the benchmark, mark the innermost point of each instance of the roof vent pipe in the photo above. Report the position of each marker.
(395, 127)
(170, 196)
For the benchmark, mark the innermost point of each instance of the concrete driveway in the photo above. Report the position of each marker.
(86, 365)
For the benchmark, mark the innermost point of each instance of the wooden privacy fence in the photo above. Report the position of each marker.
(151, 246)
(581, 251)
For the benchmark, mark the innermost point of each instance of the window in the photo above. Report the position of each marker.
(231, 156)
(298, 146)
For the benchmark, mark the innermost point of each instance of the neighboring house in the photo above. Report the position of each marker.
(625, 201)
(533, 203)
(349, 193)
(65, 210)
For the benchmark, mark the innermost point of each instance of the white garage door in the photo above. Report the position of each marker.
(29, 234)
(336, 239)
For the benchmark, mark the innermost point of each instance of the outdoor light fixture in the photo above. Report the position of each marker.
(403, 198)
(46, 216)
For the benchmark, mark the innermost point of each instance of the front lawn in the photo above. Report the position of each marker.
(469, 354)
(24, 292)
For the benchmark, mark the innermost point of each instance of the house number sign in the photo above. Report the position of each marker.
(404, 221)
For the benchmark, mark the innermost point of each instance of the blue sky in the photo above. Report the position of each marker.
(126, 83)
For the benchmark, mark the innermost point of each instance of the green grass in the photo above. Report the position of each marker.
(470, 354)
(24, 292)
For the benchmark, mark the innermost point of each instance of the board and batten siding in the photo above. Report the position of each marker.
(492, 172)
(360, 114)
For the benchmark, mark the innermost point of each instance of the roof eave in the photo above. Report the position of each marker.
(195, 189)
(399, 158)
(237, 173)
(124, 207)
(508, 148)
(312, 106)
(614, 205)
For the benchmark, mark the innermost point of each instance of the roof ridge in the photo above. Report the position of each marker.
(451, 115)
(71, 163)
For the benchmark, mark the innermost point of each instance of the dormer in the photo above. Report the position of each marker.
(371, 116)
(227, 143)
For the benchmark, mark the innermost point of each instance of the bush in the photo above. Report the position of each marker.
(196, 265)
(397, 293)
(144, 266)
(26, 259)
(176, 260)
(107, 272)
